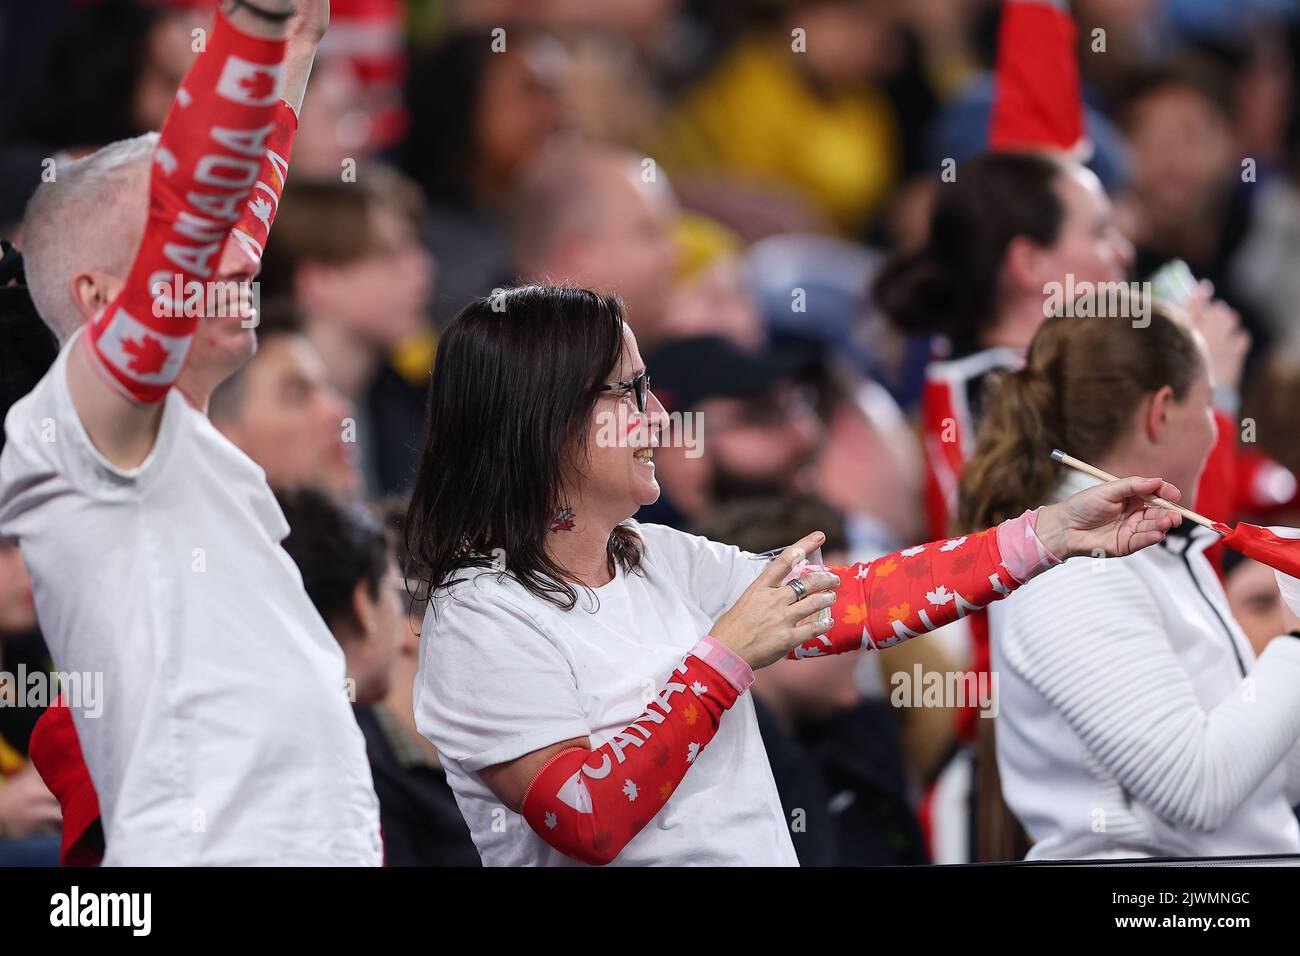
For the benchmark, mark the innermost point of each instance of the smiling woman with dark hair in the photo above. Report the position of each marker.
(575, 664)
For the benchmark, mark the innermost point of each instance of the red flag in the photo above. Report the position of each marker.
(1281, 554)
(1037, 103)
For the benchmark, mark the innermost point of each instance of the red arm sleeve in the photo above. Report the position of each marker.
(589, 804)
(916, 590)
(254, 225)
(208, 159)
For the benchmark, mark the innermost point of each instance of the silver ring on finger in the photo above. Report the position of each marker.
(799, 588)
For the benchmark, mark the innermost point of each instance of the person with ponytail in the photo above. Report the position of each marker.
(1008, 226)
(1134, 718)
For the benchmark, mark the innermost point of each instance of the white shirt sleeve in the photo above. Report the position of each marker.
(493, 685)
(1113, 676)
(714, 575)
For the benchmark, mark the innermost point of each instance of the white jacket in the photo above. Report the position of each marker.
(1134, 718)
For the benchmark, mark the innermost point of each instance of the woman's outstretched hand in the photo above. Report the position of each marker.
(1110, 519)
(764, 625)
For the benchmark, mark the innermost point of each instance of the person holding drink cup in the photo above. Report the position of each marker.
(583, 675)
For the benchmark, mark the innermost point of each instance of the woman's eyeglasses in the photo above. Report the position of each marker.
(640, 386)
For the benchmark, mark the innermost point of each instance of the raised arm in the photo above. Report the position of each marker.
(216, 146)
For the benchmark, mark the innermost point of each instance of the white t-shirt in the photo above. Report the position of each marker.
(503, 673)
(225, 736)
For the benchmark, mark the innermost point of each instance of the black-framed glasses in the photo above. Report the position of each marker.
(640, 386)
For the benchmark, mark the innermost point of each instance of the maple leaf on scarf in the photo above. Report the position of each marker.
(258, 85)
(147, 355)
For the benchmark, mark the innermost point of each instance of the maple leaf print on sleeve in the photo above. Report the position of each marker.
(629, 788)
(939, 583)
(940, 595)
(261, 210)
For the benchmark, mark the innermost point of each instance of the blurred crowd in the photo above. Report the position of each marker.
(739, 172)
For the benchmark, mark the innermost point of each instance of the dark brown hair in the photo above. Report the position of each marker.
(949, 286)
(1083, 378)
(514, 385)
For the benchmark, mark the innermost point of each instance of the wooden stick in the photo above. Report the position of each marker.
(1087, 469)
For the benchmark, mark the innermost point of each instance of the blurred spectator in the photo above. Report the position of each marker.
(835, 757)
(106, 72)
(29, 813)
(748, 428)
(797, 109)
(713, 293)
(1190, 190)
(478, 118)
(350, 256)
(1255, 600)
(816, 289)
(600, 218)
(423, 825)
(110, 72)
(1007, 227)
(870, 465)
(335, 132)
(281, 410)
(349, 573)
(1272, 408)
